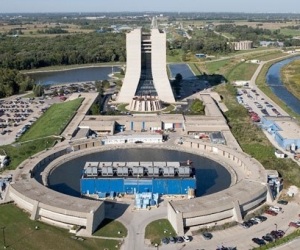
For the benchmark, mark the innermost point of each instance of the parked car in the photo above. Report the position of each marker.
(165, 241)
(271, 212)
(245, 225)
(253, 221)
(268, 238)
(275, 209)
(261, 218)
(179, 239)
(187, 238)
(282, 202)
(280, 233)
(295, 224)
(172, 240)
(259, 241)
(207, 235)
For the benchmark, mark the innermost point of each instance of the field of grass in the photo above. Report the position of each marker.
(31, 29)
(20, 152)
(290, 32)
(53, 121)
(290, 75)
(270, 56)
(159, 229)
(243, 71)
(111, 228)
(174, 55)
(257, 145)
(215, 66)
(20, 234)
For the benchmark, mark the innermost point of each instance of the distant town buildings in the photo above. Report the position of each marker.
(271, 43)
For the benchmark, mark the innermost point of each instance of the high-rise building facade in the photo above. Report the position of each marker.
(146, 82)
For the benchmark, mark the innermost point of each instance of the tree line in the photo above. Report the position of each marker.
(23, 53)
(13, 82)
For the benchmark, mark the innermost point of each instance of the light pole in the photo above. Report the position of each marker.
(275, 226)
(156, 245)
(3, 233)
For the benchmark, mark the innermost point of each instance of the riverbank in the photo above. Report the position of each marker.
(70, 67)
(263, 86)
(290, 76)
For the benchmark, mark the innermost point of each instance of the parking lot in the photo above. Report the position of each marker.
(240, 237)
(18, 114)
(254, 101)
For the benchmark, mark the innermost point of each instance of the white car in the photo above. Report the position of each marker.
(275, 209)
(186, 238)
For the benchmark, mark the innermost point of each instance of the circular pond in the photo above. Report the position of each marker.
(211, 176)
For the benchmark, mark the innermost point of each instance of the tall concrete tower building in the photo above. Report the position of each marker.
(146, 82)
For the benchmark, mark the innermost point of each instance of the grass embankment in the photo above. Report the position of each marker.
(20, 152)
(243, 71)
(158, 229)
(290, 75)
(40, 135)
(54, 121)
(253, 141)
(111, 228)
(20, 234)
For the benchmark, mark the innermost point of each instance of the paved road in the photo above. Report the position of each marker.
(136, 221)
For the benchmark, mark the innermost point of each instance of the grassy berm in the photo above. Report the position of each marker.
(252, 139)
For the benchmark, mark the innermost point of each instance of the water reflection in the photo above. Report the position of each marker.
(273, 79)
(211, 176)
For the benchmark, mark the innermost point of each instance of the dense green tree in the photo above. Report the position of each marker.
(38, 90)
(35, 52)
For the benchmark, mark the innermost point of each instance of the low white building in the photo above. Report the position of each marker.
(134, 138)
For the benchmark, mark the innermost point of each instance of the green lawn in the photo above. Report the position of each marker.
(290, 32)
(213, 67)
(20, 152)
(174, 55)
(270, 56)
(20, 234)
(53, 121)
(111, 228)
(159, 229)
(243, 71)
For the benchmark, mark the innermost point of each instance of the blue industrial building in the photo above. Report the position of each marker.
(175, 186)
(109, 178)
(284, 130)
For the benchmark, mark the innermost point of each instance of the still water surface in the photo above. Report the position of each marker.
(211, 176)
(273, 79)
(73, 75)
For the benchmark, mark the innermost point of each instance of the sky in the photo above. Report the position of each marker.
(255, 6)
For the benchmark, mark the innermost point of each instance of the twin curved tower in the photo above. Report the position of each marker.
(146, 82)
